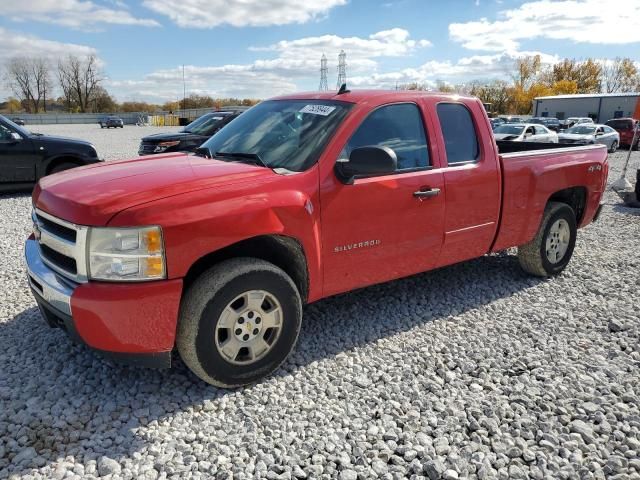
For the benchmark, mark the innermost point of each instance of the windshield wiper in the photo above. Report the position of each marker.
(253, 157)
(203, 152)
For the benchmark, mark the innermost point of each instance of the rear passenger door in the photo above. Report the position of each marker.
(380, 227)
(472, 182)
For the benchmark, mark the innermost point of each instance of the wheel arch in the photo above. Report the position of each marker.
(283, 251)
(53, 162)
(575, 197)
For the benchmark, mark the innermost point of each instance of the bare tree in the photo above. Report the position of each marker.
(620, 75)
(79, 79)
(30, 80)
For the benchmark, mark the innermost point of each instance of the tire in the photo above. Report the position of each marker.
(219, 296)
(533, 256)
(614, 147)
(61, 167)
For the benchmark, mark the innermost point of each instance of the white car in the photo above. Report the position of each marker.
(586, 134)
(525, 132)
(571, 121)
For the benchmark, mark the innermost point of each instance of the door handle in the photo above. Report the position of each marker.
(427, 193)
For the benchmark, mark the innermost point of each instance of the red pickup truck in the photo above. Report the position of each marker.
(299, 198)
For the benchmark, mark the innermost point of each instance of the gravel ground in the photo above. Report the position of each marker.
(111, 143)
(472, 371)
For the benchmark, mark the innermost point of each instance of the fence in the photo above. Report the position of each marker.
(129, 118)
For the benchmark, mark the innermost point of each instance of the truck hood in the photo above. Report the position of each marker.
(92, 195)
(168, 137)
(507, 136)
(575, 136)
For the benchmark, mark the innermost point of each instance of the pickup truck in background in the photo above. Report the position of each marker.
(301, 197)
(25, 157)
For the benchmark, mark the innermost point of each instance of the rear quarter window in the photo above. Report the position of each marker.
(459, 132)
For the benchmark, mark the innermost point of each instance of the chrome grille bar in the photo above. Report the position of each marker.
(76, 251)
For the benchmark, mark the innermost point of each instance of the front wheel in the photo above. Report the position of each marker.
(614, 147)
(238, 322)
(61, 167)
(551, 249)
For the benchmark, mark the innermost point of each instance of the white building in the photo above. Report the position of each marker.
(599, 106)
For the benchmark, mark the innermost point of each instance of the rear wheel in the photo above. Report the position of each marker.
(551, 249)
(238, 322)
(614, 147)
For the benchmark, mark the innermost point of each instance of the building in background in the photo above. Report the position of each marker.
(599, 106)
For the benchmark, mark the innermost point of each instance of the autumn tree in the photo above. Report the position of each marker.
(29, 78)
(620, 75)
(79, 80)
(586, 74)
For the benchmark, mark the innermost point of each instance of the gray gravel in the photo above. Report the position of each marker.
(472, 371)
(111, 143)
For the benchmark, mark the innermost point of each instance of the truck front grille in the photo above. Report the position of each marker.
(62, 245)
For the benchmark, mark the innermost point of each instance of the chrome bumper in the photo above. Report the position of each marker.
(55, 290)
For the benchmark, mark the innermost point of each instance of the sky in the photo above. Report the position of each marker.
(262, 48)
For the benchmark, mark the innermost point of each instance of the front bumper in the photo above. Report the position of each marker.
(130, 323)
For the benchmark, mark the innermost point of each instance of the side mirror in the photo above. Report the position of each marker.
(14, 137)
(367, 161)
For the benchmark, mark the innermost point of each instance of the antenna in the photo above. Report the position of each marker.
(342, 69)
(323, 74)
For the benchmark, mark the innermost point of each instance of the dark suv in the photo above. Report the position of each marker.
(25, 157)
(191, 136)
(626, 127)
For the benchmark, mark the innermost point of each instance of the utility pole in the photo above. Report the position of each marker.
(184, 92)
(323, 74)
(342, 69)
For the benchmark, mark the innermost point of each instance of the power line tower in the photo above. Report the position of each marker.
(342, 69)
(323, 74)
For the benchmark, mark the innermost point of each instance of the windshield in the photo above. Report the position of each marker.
(510, 129)
(207, 124)
(582, 130)
(18, 128)
(287, 134)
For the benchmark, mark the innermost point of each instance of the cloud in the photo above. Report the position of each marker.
(78, 14)
(577, 21)
(18, 44)
(295, 61)
(477, 67)
(241, 13)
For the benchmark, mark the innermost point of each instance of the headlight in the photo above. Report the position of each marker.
(126, 254)
(162, 146)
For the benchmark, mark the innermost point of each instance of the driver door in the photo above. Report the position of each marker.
(17, 157)
(380, 228)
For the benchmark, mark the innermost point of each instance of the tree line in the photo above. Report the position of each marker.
(35, 80)
(74, 84)
(530, 78)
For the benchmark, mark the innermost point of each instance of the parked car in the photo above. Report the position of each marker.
(515, 118)
(525, 132)
(300, 198)
(496, 122)
(626, 127)
(584, 134)
(26, 157)
(18, 121)
(109, 122)
(571, 121)
(551, 123)
(190, 137)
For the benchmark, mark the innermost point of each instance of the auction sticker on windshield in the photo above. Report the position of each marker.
(323, 110)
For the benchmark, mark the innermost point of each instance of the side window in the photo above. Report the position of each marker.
(398, 127)
(5, 133)
(459, 133)
(540, 130)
